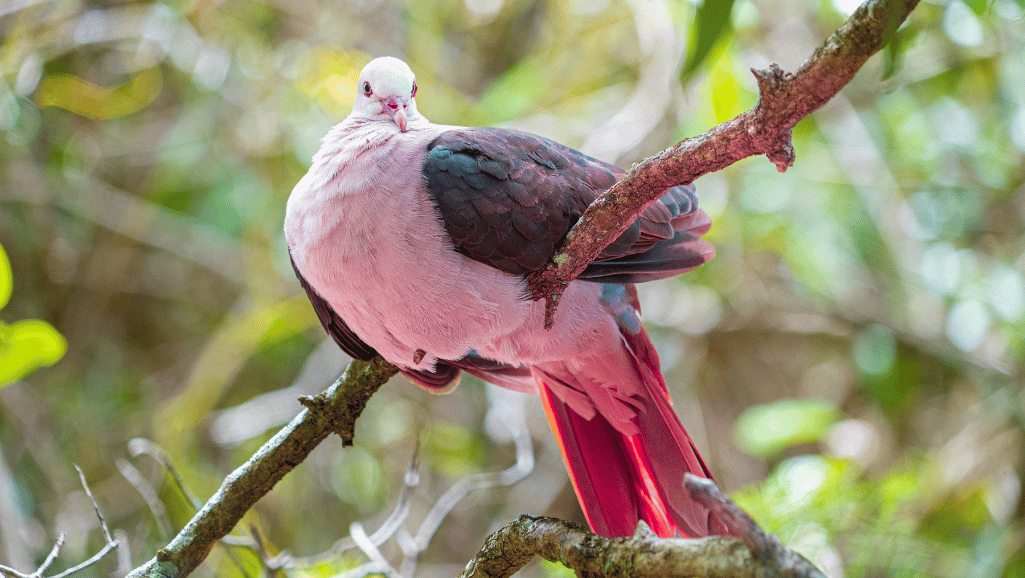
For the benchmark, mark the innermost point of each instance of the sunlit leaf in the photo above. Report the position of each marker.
(100, 102)
(725, 91)
(977, 6)
(711, 22)
(26, 346)
(765, 430)
(6, 278)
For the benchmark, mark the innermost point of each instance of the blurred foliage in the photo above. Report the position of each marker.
(869, 304)
(768, 429)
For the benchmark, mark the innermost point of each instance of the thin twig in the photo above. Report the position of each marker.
(96, 507)
(7, 570)
(143, 446)
(111, 544)
(96, 558)
(359, 535)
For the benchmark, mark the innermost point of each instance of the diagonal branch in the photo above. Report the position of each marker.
(766, 130)
(334, 411)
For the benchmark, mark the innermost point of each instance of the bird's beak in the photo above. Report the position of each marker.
(396, 109)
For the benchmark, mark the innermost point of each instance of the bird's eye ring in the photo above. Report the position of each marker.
(412, 94)
(366, 89)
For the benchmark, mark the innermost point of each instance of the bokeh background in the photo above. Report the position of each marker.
(851, 362)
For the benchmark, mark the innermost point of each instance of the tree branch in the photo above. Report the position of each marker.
(765, 129)
(755, 555)
(334, 410)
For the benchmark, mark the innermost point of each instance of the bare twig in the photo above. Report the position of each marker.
(143, 446)
(96, 507)
(512, 415)
(50, 557)
(110, 544)
(765, 129)
(8, 571)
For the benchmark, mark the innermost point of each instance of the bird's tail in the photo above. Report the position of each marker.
(624, 446)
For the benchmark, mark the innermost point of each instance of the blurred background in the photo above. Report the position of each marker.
(850, 363)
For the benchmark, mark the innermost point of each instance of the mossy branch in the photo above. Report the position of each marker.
(754, 554)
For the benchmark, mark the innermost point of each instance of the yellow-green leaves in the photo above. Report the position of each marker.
(6, 279)
(765, 430)
(24, 345)
(99, 102)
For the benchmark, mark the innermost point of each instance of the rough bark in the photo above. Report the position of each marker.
(754, 554)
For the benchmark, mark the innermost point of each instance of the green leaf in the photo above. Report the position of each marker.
(765, 430)
(26, 346)
(711, 21)
(977, 6)
(893, 52)
(6, 278)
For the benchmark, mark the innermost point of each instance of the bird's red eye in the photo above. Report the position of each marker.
(366, 89)
(412, 94)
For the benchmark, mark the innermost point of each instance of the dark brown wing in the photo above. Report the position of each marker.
(445, 372)
(335, 326)
(507, 198)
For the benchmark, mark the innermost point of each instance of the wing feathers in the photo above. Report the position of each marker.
(333, 324)
(508, 198)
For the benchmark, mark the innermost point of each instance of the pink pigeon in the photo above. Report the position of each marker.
(413, 241)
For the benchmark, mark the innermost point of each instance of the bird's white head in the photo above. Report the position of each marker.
(386, 91)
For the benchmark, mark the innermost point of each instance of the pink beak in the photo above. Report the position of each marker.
(396, 108)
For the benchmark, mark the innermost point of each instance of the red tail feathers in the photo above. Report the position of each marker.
(634, 471)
